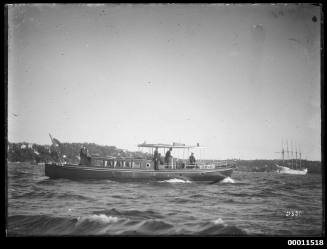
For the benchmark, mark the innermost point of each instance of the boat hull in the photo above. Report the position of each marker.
(76, 172)
(286, 170)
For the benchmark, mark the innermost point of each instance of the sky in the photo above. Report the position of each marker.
(241, 80)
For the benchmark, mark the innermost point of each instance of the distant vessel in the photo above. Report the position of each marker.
(139, 169)
(291, 165)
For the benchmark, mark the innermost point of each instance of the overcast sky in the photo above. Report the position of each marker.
(238, 79)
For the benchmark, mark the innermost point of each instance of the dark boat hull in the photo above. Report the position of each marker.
(77, 172)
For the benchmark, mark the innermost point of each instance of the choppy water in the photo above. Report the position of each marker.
(247, 204)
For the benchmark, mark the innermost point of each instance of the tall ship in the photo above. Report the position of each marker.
(291, 161)
(140, 169)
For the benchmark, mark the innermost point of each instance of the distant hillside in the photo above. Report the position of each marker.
(25, 152)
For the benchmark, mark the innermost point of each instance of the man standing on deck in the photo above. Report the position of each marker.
(82, 156)
(156, 159)
(169, 158)
(192, 159)
(88, 157)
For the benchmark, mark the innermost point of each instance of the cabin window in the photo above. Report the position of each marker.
(136, 165)
(119, 164)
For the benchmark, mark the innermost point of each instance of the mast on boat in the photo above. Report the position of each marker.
(300, 155)
(296, 161)
(292, 155)
(283, 152)
(288, 152)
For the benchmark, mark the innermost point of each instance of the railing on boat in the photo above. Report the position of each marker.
(212, 164)
(130, 162)
(120, 162)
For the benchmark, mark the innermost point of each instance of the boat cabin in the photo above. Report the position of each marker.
(162, 163)
(122, 162)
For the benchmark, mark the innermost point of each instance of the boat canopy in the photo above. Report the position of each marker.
(174, 145)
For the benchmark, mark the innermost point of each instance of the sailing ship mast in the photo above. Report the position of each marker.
(295, 156)
(283, 151)
(288, 152)
(300, 155)
(292, 160)
(291, 156)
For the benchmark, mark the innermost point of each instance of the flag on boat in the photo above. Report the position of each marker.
(55, 141)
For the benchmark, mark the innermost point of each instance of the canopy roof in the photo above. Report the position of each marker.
(102, 157)
(174, 145)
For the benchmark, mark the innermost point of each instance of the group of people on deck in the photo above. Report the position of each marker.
(168, 158)
(85, 158)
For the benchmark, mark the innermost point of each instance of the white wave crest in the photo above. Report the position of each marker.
(228, 180)
(42, 178)
(102, 218)
(175, 180)
(218, 221)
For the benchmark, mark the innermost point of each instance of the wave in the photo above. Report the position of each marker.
(181, 200)
(41, 179)
(220, 229)
(197, 196)
(102, 224)
(218, 221)
(48, 225)
(44, 194)
(101, 218)
(176, 180)
(135, 214)
(228, 180)
(150, 227)
(268, 192)
(19, 225)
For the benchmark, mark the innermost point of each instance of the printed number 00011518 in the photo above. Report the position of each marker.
(307, 242)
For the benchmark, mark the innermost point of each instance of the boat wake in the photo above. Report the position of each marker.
(175, 180)
(228, 180)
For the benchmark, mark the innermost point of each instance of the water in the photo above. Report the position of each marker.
(249, 203)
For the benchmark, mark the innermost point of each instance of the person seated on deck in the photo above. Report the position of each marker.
(161, 161)
(156, 159)
(85, 158)
(168, 157)
(192, 159)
